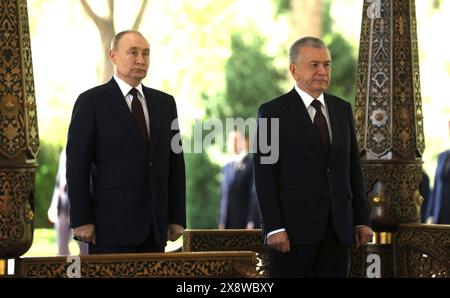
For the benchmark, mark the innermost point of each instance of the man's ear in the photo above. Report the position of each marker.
(112, 56)
(293, 70)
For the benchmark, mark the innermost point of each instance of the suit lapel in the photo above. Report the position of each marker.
(332, 113)
(154, 115)
(297, 109)
(123, 112)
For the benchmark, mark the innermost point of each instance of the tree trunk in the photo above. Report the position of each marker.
(306, 18)
(107, 32)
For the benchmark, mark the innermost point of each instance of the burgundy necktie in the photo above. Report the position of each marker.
(321, 125)
(138, 114)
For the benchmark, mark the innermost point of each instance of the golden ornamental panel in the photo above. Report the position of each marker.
(362, 78)
(228, 240)
(422, 250)
(417, 96)
(225, 264)
(378, 139)
(393, 193)
(16, 211)
(19, 139)
(18, 117)
(404, 119)
(388, 108)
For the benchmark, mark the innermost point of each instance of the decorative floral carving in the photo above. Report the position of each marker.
(18, 117)
(388, 99)
(232, 264)
(228, 240)
(15, 211)
(422, 251)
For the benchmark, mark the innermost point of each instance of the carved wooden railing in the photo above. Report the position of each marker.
(228, 240)
(183, 264)
(422, 251)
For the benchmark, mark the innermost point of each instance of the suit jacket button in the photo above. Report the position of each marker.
(328, 170)
(150, 164)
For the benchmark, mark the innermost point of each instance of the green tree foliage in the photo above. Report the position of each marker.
(282, 6)
(344, 63)
(343, 70)
(48, 158)
(250, 79)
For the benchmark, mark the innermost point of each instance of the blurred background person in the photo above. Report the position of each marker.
(438, 209)
(424, 188)
(58, 213)
(238, 204)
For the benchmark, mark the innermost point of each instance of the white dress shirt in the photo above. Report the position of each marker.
(125, 88)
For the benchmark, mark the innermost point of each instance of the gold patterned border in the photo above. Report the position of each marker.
(16, 211)
(18, 117)
(422, 250)
(388, 108)
(185, 264)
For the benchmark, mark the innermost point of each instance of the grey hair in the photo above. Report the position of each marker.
(308, 41)
(118, 37)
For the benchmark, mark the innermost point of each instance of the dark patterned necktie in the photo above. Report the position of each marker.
(138, 115)
(322, 127)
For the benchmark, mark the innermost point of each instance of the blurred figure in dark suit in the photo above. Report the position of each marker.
(438, 207)
(238, 204)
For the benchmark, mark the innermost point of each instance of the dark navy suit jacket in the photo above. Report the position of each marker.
(299, 191)
(238, 204)
(439, 203)
(116, 182)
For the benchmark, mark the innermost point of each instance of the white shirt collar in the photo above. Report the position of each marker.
(125, 88)
(308, 99)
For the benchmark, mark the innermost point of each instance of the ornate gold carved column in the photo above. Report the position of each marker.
(389, 119)
(19, 140)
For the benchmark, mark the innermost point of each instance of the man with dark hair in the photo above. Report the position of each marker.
(311, 199)
(126, 184)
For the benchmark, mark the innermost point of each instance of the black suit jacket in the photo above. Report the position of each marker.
(114, 181)
(439, 203)
(299, 191)
(238, 204)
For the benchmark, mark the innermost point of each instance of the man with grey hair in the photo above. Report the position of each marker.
(312, 199)
(126, 185)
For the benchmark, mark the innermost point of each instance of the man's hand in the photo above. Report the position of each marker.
(279, 241)
(363, 234)
(85, 233)
(250, 225)
(174, 231)
(52, 214)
